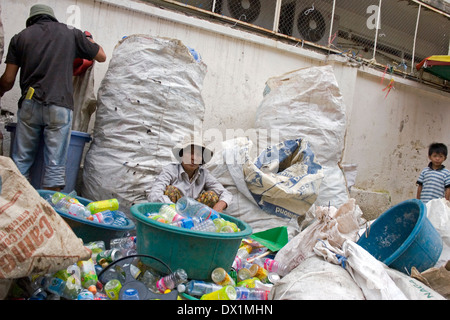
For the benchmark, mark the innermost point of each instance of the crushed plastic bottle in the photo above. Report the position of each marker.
(105, 217)
(88, 274)
(170, 214)
(190, 208)
(199, 288)
(205, 226)
(187, 223)
(172, 280)
(272, 266)
(243, 293)
(225, 293)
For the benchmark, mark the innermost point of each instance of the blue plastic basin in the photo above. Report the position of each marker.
(90, 231)
(403, 237)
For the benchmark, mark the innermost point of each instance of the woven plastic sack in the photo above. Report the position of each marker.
(148, 101)
(285, 178)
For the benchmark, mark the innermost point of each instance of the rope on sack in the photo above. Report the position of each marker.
(341, 259)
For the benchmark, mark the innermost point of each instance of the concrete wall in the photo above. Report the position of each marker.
(386, 137)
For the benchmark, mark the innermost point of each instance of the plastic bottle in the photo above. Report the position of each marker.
(172, 280)
(169, 213)
(99, 206)
(109, 255)
(130, 294)
(88, 274)
(126, 245)
(85, 295)
(225, 293)
(221, 277)
(187, 223)
(205, 226)
(244, 251)
(243, 293)
(105, 217)
(75, 209)
(198, 288)
(156, 217)
(259, 272)
(273, 266)
(112, 289)
(57, 196)
(120, 218)
(55, 285)
(189, 207)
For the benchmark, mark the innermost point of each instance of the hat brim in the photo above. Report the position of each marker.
(207, 153)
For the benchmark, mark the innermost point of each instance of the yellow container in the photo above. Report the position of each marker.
(226, 293)
(99, 206)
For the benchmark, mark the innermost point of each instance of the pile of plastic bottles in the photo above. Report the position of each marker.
(104, 211)
(190, 214)
(82, 281)
(251, 278)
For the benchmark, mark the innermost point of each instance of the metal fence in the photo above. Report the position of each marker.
(396, 33)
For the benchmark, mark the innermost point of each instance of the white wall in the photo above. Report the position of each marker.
(387, 137)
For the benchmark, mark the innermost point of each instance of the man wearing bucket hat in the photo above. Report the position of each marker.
(45, 52)
(189, 178)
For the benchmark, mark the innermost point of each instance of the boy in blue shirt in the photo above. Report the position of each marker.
(434, 180)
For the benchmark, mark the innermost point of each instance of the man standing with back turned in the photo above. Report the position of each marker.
(45, 52)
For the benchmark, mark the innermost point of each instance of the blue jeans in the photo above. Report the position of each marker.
(54, 123)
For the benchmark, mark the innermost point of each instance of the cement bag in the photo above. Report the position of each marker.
(438, 212)
(308, 104)
(412, 288)
(436, 278)
(149, 99)
(316, 279)
(366, 271)
(331, 224)
(33, 237)
(285, 178)
(227, 167)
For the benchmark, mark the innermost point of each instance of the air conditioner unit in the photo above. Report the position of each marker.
(312, 21)
(258, 12)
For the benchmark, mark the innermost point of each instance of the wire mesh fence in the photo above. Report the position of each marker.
(396, 33)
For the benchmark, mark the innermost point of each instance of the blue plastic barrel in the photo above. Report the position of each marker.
(403, 237)
(74, 155)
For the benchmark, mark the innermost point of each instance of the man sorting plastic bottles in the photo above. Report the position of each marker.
(44, 52)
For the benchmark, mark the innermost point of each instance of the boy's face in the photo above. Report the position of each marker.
(437, 159)
(192, 157)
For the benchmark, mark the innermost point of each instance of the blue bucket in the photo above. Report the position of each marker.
(90, 231)
(74, 156)
(403, 237)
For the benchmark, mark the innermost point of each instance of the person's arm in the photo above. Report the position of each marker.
(225, 197)
(447, 193)
(8, 78)
(101, 55)
(419, 191)
(156, 192)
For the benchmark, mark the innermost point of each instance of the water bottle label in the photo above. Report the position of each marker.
(269, 264)
(160, 285)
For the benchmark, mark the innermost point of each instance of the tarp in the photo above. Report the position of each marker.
(437, 65)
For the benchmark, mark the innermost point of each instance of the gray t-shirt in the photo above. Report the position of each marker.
(45, 53)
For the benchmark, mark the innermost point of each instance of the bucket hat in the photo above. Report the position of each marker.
(194, 140)
(40, 9)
